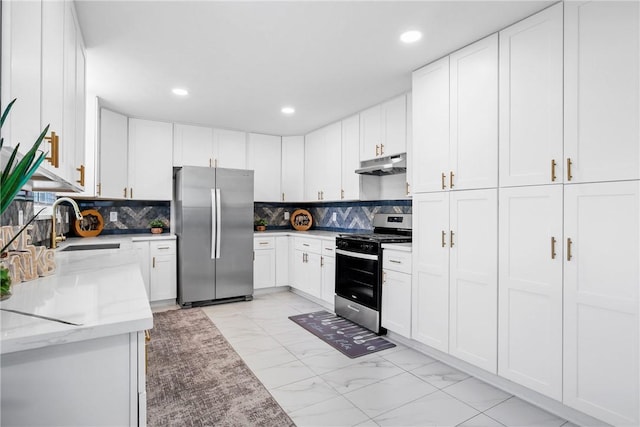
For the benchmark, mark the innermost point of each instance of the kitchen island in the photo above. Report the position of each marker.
(87, 368)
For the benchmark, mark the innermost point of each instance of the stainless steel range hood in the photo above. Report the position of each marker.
(390, 165)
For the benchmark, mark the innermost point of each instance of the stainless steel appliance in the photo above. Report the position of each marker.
(359, 269)
(214, 226)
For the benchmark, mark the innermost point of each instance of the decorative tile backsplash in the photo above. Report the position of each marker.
(41, 232)
(353, 215)
(133, 215)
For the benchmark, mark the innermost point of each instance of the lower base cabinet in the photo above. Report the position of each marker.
(264, 262)
(158, 265)
(308, 273)
(396, 292)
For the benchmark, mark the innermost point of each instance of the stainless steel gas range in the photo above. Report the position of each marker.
(359, 269)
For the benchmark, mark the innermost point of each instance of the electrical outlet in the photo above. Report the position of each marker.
(21, 217)
(334, 216)
(113, 216)
(286, 216)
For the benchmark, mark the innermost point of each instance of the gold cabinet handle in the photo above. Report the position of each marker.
(125, 192)
(553, 170)
(322, 195)
(321, 261)
(215, 163)
(54, 157)
(381, 149)
(569, 163)
(444, 244)
(318, 195)
(154, 262)
(263, 243)
(131, 192)
(451, 175)
(444, 186)
(210, 162)
(99, 188)
(407, 188)
(377, 150)
(81, 170)
(283, 197)
(342, 194)
(384, 277)
(395, 261)
(553, 247)
(569, 243)
(451, 234)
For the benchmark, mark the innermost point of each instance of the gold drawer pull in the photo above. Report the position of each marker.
(553, 247)
(54, 158)
(443, 183)
(553, 170)
(569, 243)
(569, 163)
(81, 170)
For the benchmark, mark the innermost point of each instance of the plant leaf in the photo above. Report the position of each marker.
(6, 111)
(7, 169)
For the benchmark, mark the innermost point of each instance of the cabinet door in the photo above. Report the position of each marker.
(150, 160)
(602, 90)
(531, 100)
(67, 140)
(530, 288)
(371, 132)
(314, 275)
(601, 284)
(473, 331)
(313, 151)
(396, 299)
(328, 290)
(163, 277)
(394, 119)
(113, 181)
(431, 126)
(350, 158)
(81, 175)
(264, 269)
(409, 174)
(192, 145)
(142, 252)
(282, 261)
(430, 310)
(293, 168)
(473, 155)
(230, 148)
(264, 157)
(331, 164)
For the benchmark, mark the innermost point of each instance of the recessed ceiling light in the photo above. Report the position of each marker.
(288, 110)
(411, 36)
(180, 91)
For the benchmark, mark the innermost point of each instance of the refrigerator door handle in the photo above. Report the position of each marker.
(214, 215)
(218, 222)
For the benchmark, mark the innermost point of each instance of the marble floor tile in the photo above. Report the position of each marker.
(301, 394)
(268, 358)
(477, 393)
(440, 375)
(408, 359)
(254, 345)
(361, 374)
(287, 373)
(389, 394)
(516, 412)
(481, 420)
(435, 409)
(329, 361)
(294, 336)
(310, 347)
(334, 412)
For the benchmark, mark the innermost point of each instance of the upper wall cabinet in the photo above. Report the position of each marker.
(350, 158)
(292, 168)
(264, 156)
(322, 164)
(43, 66)
(229, 149)
(531, 100)
(150, 160)
(112, 155)
(601, 91)
(383, 129)
(203, 146)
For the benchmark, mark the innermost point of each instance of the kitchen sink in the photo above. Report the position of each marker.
(93, 247)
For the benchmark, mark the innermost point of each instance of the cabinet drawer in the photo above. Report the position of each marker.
(167, 247)
(329, 248)
(396, 261)
(309, 245)
(264, 243)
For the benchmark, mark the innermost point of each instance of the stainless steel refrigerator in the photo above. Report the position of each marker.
(214, 225)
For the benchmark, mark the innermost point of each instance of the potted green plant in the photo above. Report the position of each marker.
(157, 226)
(261, 224)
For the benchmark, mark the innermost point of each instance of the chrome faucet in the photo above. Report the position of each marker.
(54, 237)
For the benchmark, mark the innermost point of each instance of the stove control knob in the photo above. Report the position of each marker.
(367, 246)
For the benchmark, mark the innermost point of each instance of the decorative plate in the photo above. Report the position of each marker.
(90, 225)
(301, 220)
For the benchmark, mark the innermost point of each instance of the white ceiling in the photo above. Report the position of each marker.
(242, 61)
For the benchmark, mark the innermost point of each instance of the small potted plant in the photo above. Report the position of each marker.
(157, 226)
(261, 224)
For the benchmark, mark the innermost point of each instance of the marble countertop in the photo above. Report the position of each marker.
(405, 247)
(310, 233)
(102, 290)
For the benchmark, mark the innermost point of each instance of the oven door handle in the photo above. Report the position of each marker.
(357, 255)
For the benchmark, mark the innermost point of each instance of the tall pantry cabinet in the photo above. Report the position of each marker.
(568, 235)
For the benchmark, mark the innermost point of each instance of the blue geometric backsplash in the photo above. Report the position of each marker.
(353, 215)
(133, 215)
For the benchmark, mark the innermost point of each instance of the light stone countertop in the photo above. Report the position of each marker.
(320, 234)
(404, 247)
(102, 290)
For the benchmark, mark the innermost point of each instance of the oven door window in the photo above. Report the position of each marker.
(358, 280)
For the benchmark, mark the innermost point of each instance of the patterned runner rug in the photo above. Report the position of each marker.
(195, 378)
(345, 336)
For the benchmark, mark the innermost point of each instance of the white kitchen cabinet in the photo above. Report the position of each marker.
(229, 149)
(383, 129)
(112, 157)
(67, 141)
(430, 265)
(144, 260)
(293, 168)
(282, 261)
(530, 287)
(150, 171)
(396, 291)
(307, 266)
(81, 165)
(162, 275)
(350, 158)
(430, 93)
(192, 145)
(601, 91)
(264, 156)
(473, 277)
(264, 262)
(601, 301)
(531, 103)
(409, 174)
(322, 163)
(328, 266)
